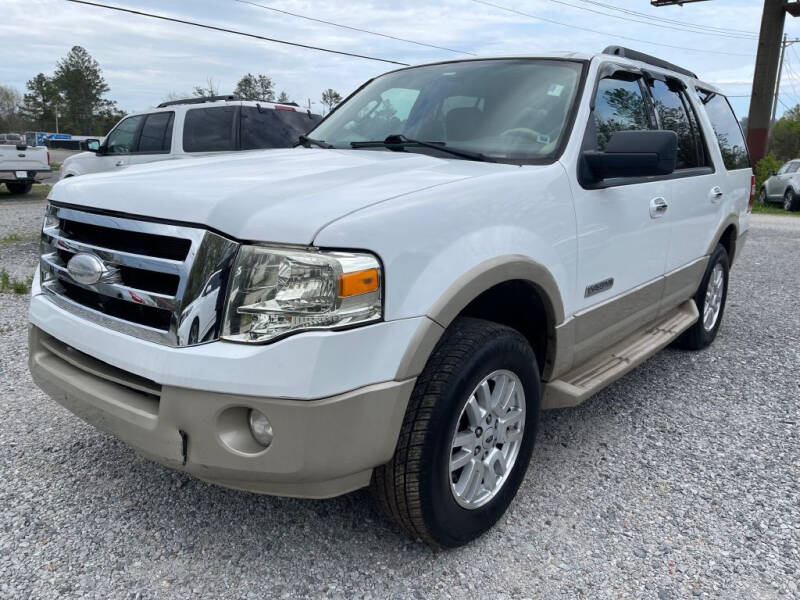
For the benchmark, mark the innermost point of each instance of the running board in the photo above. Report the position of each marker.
(592, 376)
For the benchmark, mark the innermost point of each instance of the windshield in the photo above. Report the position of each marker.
(510, 109)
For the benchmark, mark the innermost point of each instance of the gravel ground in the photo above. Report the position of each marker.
(681, 480)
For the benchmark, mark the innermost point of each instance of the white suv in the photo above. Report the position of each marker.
(458, 246)
(192, 127)
(783, 186)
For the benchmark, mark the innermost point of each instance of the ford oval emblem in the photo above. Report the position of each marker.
(86, 268)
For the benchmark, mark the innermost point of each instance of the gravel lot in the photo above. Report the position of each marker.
(682, 480)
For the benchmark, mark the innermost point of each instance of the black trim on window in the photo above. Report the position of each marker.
(615, 71)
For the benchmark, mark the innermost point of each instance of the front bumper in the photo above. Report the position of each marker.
(321, 448)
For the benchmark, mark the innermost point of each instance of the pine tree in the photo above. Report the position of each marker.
(283, 98)
(255, 87)
(80, 81)
(38, 105)
(331, 98)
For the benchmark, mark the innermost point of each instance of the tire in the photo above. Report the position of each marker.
(417, 488)
(194, 332)
(701, 335)
(762, 197)
(19, 188)
(790, 201)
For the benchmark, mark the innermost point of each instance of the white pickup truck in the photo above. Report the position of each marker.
(454, 248)
(21, 166)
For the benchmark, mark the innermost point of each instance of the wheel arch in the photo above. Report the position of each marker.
(727, 235)
(511, 290)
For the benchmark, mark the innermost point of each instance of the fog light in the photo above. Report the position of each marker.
(260, 427)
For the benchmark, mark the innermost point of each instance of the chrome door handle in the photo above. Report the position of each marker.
(716, 194)
(119, 163)
(658, 206)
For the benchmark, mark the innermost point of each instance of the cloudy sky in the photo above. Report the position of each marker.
(144, 59)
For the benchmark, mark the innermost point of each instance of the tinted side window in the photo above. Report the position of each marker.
(727, 130)
(619, 106)
(672, 116)
(122, 139)
(269, 128)
(209, 129)
(156, 133)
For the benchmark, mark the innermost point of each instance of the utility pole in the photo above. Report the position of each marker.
(763, 96)
(777, 94)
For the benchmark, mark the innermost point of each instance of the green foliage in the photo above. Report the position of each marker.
(7, 284)
(76, 91)
(764, 167)
(283, 98)
(255, 87)
(10, 117)
(331, 98)
(785, 140)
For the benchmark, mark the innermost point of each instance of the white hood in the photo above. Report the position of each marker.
(273, 195)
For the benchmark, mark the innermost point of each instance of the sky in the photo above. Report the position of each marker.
(145, 60)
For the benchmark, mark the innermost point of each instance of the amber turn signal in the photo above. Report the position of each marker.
(359, 282)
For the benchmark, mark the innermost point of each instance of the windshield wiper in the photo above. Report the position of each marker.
(400, 141)
(308, 142)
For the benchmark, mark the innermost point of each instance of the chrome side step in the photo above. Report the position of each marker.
(592, 376)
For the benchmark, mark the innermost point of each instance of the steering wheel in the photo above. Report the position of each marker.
(525, 132)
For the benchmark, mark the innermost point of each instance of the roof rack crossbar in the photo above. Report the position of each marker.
(199, 100)
(646, 58)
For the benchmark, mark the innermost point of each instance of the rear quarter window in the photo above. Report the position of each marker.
(270, 128)
(210, 129)
(726, 128)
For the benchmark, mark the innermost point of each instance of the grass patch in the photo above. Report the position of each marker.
(773, 209)
(55, 166)
(38, 192)
(7, 284)
(11, 238)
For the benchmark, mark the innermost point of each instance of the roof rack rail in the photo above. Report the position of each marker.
(646, 58)
(199, 100)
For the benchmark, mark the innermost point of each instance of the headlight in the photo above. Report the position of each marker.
(277, 291)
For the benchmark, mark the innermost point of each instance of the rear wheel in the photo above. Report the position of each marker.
(19, 188)
(467, 436)
(710, 300)
(790, 201)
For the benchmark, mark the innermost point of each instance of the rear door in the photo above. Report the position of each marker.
(211, 129)
(695, 190)
(154, 139)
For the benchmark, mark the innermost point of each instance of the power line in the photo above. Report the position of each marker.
(538, 18)
(384, 35)
(233, 31)
(697, 29)
(665, 20)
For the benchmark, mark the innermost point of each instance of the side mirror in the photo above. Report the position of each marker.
(634, 154)
(93, 145)
(772, 173)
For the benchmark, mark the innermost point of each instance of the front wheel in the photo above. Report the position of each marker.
(467, 436)
(19, 188)
(790, 201)
(710, 300)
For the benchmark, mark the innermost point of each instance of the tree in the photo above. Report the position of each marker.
(255, 87)
(211, 89)
(80, 82)
(10, 117)
(38, 105)
(764, 169)
(331, 98)
(283, 98)
(108, 116)
(785, 142)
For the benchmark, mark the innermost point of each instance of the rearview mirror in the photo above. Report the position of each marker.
(93, 145)
(634, 154)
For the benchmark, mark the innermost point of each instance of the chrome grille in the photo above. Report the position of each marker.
(160, 282)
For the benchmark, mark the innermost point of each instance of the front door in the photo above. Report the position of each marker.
(623, 234)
